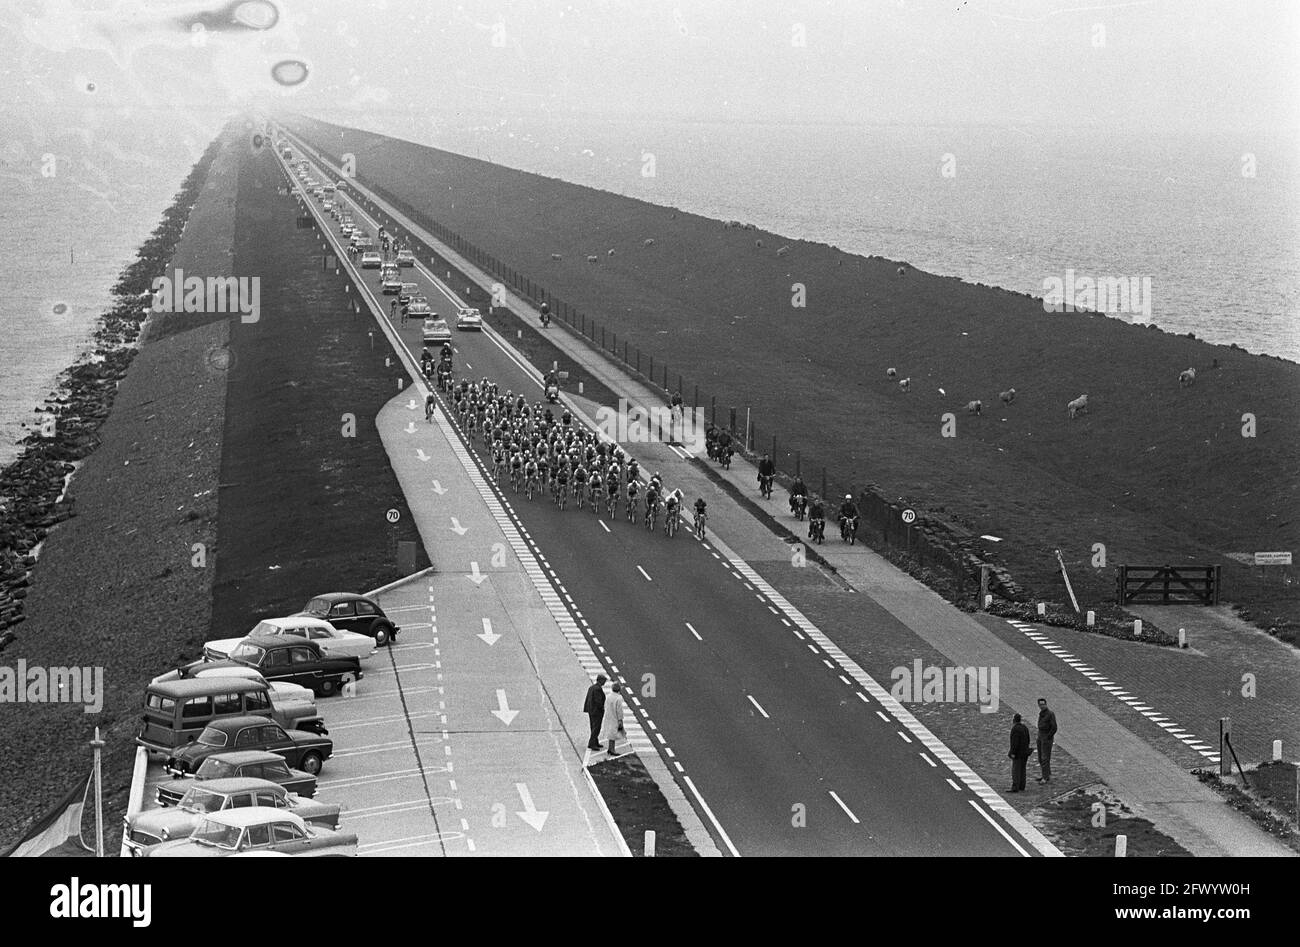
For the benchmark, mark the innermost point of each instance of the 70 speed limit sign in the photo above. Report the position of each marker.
(909, 516)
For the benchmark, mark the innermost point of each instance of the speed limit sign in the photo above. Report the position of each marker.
(393, 516)
(909, 516)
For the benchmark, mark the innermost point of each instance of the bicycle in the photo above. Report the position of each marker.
(699, 524)
(651, 516)
(562, 496)
(428, 409)
(849, 529)
(531, 487)
(817, 530)
(611, 506)
(670, 522)
(516, 479)
(632, 503)
(580, 494)
(496, 472)
(765, 485)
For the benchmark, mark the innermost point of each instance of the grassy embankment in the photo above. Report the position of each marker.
(1155, 473)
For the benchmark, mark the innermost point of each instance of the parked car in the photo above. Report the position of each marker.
(352, 612)
(260, 829)
(300, 749)
(177, 711)
(332, 641)
(469, 319)
(435, 330)
(249, 764)
(289, 658)
(405, 258)
(292, 705)
(153, 826)
(371, 259)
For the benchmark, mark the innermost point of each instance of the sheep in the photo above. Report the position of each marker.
(890, 373)
(611, 251)
(593, 258)
(759, 244)
(902, 271)
(649, 241)
(905, 384)
(555, 256)
(782, 251)
(1008, 396)
(1187, 379)
(1078, 404)
(974, 407)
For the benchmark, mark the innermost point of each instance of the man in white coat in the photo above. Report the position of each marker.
(611, 728)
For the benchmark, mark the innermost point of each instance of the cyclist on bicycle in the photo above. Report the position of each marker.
(633, 493)
(594, 484)
(530, 470)
(673, 505)
(657, 482)
(516, 464)
(848, 508)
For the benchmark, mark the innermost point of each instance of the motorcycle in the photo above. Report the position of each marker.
(553, 393)
(765, 485)
(725, 455)
(817, 530)
(545, 315)
(849, 529)
(798, 504)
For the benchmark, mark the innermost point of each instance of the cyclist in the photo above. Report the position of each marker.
(594, 485)
(612, 484)
(561, 482)
(657, 482)
(848, 515)
(633, 492)
(579, 482)
(516, 469)
(498, 461)
(544, 468)
(766, 471)
(530, 474)
(673, 509)
(816, 518)
(651, 504)
(633, 469)
(701, 514)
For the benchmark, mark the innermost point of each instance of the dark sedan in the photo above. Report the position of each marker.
(292, 659)
(353, 612)
(256, 764)
(300, 749)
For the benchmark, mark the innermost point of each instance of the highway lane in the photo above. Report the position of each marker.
(757, 719)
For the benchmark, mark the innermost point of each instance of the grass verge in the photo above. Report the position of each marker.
(638, 806)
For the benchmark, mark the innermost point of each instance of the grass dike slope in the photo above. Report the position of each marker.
(1155, 472)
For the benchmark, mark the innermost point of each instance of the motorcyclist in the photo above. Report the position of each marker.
(797, 489)
(816, 516)
(848, 508)
(766, 469)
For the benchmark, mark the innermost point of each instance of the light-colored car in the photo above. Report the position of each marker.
(371, 259)
(405, 258)
(435, 329)
(256, 829)
(329, 639)
(346, 229)
(469, 318)
(391, 285)
(408, 292)
(418, 308)
(154, 826)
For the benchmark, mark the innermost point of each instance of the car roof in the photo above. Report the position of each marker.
(229, 785)
(239, 757)
(297, 621)
(235, 723)
(254, 815)
(197, 687)
(344, 597)
(272, 642)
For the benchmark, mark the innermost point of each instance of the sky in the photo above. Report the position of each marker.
(1139, 67)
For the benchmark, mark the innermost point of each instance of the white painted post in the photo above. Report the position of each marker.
(1092, 618)
(1042, 609)
(1137, 628)
(988, 601)
(1182, 637)
(1277, 751)
(579, 387)
(519, 333)
(649, 843)
(1121, 846)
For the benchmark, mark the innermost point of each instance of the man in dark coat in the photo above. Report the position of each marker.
(1046, 736)
(594, 708)
(1019, 753)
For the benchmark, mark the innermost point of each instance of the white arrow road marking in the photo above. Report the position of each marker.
(422, 455)
(503, 711)
(437, 487)
(476, 577)
(457, 528)
(488, 635)
(410, 427)
(530, 814)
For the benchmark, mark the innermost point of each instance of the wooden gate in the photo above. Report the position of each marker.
(1168, 585)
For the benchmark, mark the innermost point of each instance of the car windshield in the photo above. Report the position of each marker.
(214, 833)
(215, 769)
(212, 737)
(201, 800)
(320, 607)
(247, 652)
(265, 628)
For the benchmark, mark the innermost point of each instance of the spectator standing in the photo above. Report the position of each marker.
(594, 708)
(1019, 754)
(612, 726)
(1046, 737)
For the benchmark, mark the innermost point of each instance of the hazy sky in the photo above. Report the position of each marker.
(1160, 65)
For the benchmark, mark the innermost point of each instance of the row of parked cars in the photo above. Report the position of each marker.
(243, 740)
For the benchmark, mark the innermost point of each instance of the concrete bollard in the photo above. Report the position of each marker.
(988, 601)
(388, 362)
(1092, 618)
(401, 383)
(519, 333)
(579, 387)
(649, 843)
(1137, 628)
(1042, 609)
(1182, 637)
(1277, 751)
(1121, 846)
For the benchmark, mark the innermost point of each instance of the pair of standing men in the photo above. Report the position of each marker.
(1020, 746)
(605, 715)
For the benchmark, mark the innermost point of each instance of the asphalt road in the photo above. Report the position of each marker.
(784, 752)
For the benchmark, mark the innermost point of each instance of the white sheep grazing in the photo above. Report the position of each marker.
(1008, 396)
(1078, 404)
(889, 372)
(611, 251)
(974, 407)
(782, 251)
(1187, 379)
(555, 256)
(902, 271)
(649, 241)
(905, 384)
(592, 259)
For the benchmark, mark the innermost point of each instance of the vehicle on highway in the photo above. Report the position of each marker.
(154, 826)
(352, 612)
(408, 292)
(300, 749)
(260, 829)
(435, 329)
(371, 259)
(391, 283)
(251, 764)
(288, 658)
(467, 318)
(418, 308)
(327, 206)
(346, 230)
(177, 711)
(405, 258)
(332, 641)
